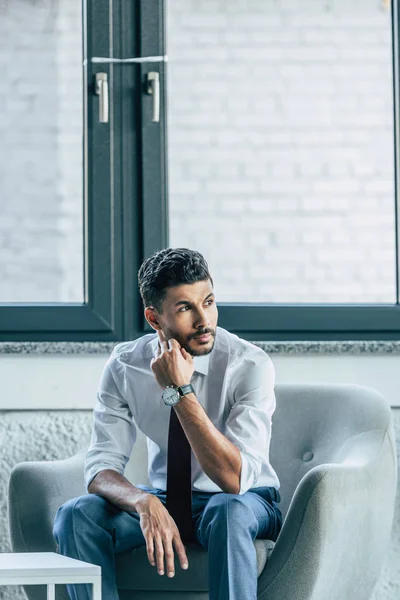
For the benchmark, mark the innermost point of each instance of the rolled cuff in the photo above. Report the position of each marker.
(248, 475)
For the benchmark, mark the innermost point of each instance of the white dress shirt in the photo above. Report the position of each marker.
(234, 384)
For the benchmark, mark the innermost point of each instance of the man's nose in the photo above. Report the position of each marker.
(202, 318)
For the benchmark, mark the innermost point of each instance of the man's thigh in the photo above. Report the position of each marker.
(264, 503)
(258, 500)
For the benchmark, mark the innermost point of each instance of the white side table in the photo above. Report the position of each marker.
(27, 568)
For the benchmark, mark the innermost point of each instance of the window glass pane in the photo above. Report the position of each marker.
(281, 167)
(41, 167)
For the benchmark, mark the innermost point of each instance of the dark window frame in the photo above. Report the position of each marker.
(127, 209)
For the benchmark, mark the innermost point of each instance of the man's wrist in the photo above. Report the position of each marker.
(140, 501)
(173, 386)
(186, 389)
(179, 384)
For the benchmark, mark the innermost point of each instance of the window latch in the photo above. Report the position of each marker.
(153, 88)
(102, 92)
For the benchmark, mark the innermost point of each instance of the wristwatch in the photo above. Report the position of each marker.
(171, 394)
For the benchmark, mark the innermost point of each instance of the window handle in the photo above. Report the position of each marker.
(153, 88)
(102, 92)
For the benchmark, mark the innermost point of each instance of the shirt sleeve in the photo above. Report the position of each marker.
(249, 422)
(113, 432)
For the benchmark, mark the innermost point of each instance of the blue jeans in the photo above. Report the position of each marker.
(92, 529)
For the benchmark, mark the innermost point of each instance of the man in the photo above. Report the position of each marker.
(225, 413)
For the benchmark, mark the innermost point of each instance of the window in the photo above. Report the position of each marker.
(281, 148)
(41, 143)
(72, 179)
(281, 164)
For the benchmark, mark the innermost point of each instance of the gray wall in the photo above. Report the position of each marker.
(35, 435)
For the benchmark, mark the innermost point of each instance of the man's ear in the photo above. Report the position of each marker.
(151, 318)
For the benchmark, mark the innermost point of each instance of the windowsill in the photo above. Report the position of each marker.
(286, 347)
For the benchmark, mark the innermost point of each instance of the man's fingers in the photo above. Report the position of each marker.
(169, 557)
(164, 344)
(173, 343)
(181, 552)
(186, 355)
(150, 549)
(159, 554)
(161, 336)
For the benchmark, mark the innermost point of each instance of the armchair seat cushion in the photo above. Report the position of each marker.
(134, 571)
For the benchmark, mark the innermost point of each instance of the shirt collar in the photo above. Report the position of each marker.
(202, 363)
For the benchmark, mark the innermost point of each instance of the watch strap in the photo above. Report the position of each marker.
(185, 389)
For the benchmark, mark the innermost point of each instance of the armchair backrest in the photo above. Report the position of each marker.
(314, 424)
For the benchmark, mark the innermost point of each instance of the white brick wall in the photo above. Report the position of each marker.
(280, 147)
(41, 254)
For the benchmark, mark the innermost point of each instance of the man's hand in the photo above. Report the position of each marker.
(160, 532)
(172, 364)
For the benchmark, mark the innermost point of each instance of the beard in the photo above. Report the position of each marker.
(192, 346)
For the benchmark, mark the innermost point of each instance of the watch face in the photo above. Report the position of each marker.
(170, 396)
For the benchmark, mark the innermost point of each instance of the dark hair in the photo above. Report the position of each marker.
(168, 268)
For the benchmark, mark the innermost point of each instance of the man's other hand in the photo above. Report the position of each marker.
(161, 534)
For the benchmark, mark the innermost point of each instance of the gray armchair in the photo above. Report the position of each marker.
(333, 448)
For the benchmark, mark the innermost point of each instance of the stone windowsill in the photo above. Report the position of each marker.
(271, 347)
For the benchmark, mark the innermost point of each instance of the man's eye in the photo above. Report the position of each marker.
(187, 306)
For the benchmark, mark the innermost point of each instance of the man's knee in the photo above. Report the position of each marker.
(78, 514)
(229, 511)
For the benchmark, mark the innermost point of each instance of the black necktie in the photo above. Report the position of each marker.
(179, 480)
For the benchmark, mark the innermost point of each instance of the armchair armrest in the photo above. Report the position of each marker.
(338, 525)
(36, 490)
